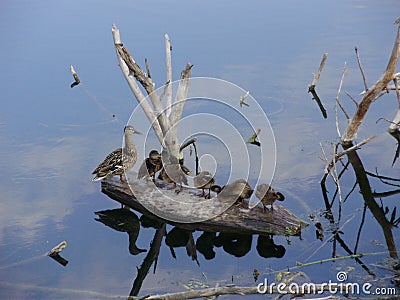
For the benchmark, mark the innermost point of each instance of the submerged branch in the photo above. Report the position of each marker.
(311, 87)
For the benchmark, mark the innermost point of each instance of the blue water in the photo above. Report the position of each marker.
(52, 136)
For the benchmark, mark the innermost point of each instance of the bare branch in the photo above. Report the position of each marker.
(342, 153)
(311, 87)
(168, 49)
(336, 179)
(147, 68)
(135, 88)
(340, 88)
(233, 290)
(316, 76)
(361, 69)
(337, 122)
(75, 75)
(181, 95)
(395, 125)
(164, 91)
(352, 98)
(373, 93)
(148, 85)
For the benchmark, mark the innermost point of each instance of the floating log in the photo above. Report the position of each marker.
(234, 219)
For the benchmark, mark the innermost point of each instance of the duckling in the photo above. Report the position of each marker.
(237, 190)
(150, 166)
(216, 188)
(204, 180)
(178, 175)
(120, 160)
(267, 195)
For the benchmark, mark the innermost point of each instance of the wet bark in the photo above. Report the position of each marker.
(237, 220)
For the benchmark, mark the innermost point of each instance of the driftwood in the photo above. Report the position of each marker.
(236, 290)
(234, 219)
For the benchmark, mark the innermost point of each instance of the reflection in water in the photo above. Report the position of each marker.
(381, 213)
(267, 248)
(235, 244)
(123, 220)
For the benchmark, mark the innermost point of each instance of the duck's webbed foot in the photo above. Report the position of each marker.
(202, 194)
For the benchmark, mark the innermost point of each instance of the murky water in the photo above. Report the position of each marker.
(53, 136)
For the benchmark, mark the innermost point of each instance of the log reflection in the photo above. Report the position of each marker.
(235, 244)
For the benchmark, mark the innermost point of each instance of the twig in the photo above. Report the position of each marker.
(243, 98)
(75, 75)
(360, 228)
(336, 179)
(192, 142)
(351, 190)
(147, 68)
(333, 236)
(311, 87)
(385, 194)
(316, 76)
(338, 93)
(361, 69)
(187, 143)
(337, 120)
(395, 125)
(352, 98)
(344, 152)
(298, 264)
(381, 176)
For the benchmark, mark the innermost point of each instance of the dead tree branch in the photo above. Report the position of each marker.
(395, 125)
(228, 290)
(361, 69)
(338, 93)
(372, 94)
(311, 87)
(168, 59)
(164, 126)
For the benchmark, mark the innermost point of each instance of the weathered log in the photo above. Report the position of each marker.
(235, 219)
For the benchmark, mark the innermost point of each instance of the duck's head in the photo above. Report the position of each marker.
(216, 188)
(154, 155)
(130, 130)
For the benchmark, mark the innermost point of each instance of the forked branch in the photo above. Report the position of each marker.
(372, 94)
